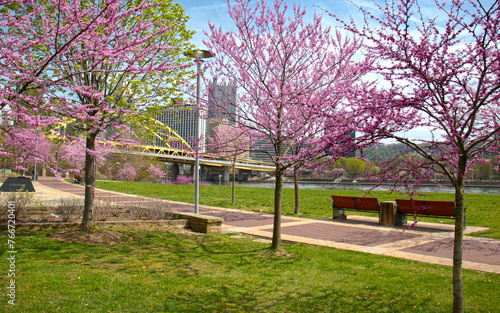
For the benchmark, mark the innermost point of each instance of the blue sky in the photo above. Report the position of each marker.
(200, 12)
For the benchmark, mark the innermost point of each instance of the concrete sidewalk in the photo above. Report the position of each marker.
(428, 242)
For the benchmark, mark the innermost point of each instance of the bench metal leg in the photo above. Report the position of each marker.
(339, 214)
(401, 219)
(336, 213)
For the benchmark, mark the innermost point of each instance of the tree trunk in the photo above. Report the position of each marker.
(278, 190)
(233, 195)
(296, 189)
(458, 293)
(88, 208)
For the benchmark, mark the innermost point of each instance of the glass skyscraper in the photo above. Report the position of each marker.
(182, 119)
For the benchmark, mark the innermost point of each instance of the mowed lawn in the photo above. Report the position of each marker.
(482, 210)
(176, 271)
(161, 271)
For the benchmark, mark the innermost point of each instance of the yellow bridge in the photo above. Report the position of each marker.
(171, 152)
(186, 154)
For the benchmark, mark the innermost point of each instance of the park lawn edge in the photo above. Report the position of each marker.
(482, 209)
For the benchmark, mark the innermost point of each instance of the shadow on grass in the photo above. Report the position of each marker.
(159, 271)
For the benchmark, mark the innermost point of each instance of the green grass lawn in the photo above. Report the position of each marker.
(482, 210)
(159, 271)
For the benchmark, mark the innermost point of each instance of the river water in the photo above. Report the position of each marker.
(359, 186)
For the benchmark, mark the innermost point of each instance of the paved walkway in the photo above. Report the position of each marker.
(428, 242)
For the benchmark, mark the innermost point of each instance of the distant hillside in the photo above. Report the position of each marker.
(383, 152)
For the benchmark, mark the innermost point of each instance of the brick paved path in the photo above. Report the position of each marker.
(428, 242)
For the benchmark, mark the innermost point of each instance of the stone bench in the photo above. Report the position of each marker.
(202, 223)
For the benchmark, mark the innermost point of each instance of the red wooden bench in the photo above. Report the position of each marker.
(366, 204)
(427, 208)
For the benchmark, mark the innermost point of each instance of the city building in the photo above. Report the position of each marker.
(262, 149)
(221, 106)
(222, 101)
(212, 124)
(182, 119)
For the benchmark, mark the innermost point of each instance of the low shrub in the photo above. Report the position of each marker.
(152, 209)
(183, 180)
(22, 200)
(69, 207)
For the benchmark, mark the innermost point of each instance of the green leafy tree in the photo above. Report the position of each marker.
(355, 166)
(107, 64)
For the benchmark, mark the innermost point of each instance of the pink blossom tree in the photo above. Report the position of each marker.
(438, 70)
(183, 180)
(291, 76)
(99, 63)
(74, 154)
(321, 160)
(231, 142)
(126, 173)
(26, 147)
(155, 173)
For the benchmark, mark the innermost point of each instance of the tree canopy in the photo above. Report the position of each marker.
(437, 69)
(290, 77)
(99, 64)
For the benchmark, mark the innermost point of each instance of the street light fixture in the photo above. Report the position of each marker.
(199, 56)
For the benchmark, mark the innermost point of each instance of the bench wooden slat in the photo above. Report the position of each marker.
(367, 204)
(429, 208)
(356, 203)
(426, 207)
(343, 202)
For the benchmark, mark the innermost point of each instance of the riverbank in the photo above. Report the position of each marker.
(493, 184)
(361, 185)
(269, 179)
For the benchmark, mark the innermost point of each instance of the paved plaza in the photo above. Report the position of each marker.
(428, 242)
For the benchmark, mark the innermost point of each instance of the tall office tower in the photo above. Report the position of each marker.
(353, 153)
(263, 149)
(212, 123)
(182, 119)
(222, 101)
